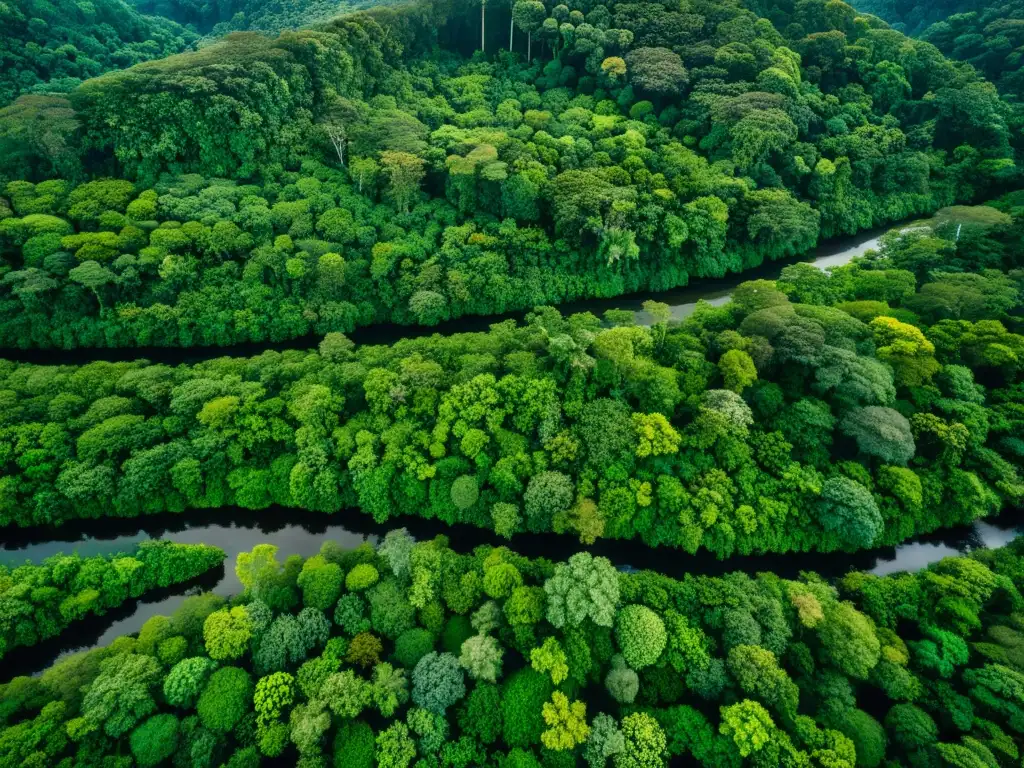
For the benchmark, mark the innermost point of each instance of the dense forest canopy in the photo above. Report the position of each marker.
(989, 35)
(423, 162)
(628, 64)
(819, 412)
(40, 601)
(444, 186)
(643, 145)
(411, 654)
(50, 47)
(913, 18)
(218, 17)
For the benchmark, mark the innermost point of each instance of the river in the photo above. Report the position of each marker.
(296, 532)
(682, 301)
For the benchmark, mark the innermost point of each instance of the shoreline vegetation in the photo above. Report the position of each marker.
(420, 164)
(164, 349)
(411, 654)
(910, 556)
(40, 602)
(820, 412)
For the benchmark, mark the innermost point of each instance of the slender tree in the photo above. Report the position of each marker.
(529, 15)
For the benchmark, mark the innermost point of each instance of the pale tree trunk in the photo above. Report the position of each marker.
(483, 7)
(511, 21)
(529, 46)
(338, 138)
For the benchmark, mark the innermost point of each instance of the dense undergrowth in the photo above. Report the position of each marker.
(415, 655)
(819, 412)
(39, 602)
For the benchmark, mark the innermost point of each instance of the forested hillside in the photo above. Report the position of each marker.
(412, 654)
(913, 18)
(988, 35)
(366, 170)
(219, 18)
(820, 412)
(53, 46)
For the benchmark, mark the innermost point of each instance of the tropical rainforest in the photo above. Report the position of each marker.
(311, 181)
(38, 602)
(180, 176)
(988, 36)
(213, 19)
(48, 48)
(413, 654)
(817, 412)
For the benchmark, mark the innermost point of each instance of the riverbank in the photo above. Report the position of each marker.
(238, 530)
(298, 533)
(681, 302)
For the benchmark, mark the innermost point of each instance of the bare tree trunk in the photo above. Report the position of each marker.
(338, 138)
(483, 7)
(511, 21)
(529, 46)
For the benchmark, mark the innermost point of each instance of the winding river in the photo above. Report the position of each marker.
(295, 532)
(682, 302)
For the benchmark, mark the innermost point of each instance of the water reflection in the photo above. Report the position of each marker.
(295, 532)
(915, 555)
